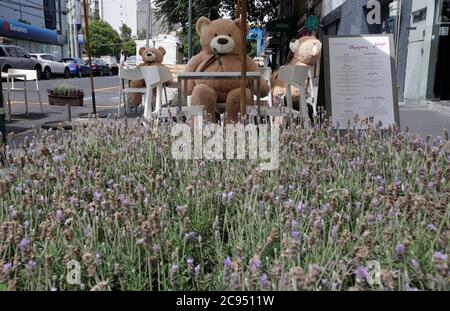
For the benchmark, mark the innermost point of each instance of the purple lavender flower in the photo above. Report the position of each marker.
(231, 196)
(227, 263)
(261, 205)
(281, 191)
(362, 273)
(300, 207)
(288, 205)
(197, 271)
(90, 174)
(19, 189)
(414, 263)
(264, 281)
(14, 213)
(73, 201)
(400, 249)
(87, 232)
(439, 256)
(26, 224)
(190, 263)
(58, 158)
(181, 210)
(7, 267)
(255, 264)
(296, 235)
(59, 215)
(358, 205)
(430, 185)
(432, 228)
(23, 245)
(97, 196)
(124, 200)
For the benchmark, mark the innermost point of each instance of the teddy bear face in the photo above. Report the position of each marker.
(306, 50)
(220, 36)
(152, 55)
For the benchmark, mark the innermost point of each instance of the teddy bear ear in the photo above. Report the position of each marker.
(238, 23)
(141, 50)
(162, 50)
(201, 24)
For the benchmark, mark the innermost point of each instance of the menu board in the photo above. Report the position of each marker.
(360, 80)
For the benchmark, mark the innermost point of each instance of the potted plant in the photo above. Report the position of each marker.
(65, 94)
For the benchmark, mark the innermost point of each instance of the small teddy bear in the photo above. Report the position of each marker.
(221, 42)
(150, 57)
(305, 51)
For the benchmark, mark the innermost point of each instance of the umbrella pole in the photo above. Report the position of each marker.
(243, 11)
(88, 43)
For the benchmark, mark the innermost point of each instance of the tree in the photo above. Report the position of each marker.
(176, 13)
(104, 39)
(125, 33)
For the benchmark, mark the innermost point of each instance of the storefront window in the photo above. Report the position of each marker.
(444, 12)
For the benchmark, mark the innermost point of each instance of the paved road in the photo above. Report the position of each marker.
(428, 120)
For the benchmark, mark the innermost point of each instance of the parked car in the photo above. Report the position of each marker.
(52, 66)
(14, 57)
(111, 61)
(100, 68)
(77, 67)
(131, 62)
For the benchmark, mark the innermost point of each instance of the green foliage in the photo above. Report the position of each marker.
(67, 90)
(125, 33)
(104, 39)
(129, 47)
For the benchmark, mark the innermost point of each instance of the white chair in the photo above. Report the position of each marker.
(155, 77)
(126, 76)
(266, 73)
(296, 76)
(25, 76)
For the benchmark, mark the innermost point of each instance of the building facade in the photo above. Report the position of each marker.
(142, 18)
(428, 66)
(38, 27)
(119, 12)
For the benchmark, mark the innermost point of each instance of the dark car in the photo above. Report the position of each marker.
(14, 57)
(100, 68)
(77, 67)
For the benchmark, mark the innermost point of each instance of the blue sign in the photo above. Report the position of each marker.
(27, 32)
(258, 35)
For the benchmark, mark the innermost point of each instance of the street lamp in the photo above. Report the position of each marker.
(190, 30)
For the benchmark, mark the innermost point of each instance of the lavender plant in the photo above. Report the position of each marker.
(111, 197)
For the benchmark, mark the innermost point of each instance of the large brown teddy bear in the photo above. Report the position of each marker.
(305, 51)
(221, 43)
(150, 57)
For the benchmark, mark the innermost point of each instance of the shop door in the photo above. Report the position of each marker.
(442, 78)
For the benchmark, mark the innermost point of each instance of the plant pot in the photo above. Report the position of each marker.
(65, 100)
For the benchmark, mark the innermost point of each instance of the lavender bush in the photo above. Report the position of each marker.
(112, 198)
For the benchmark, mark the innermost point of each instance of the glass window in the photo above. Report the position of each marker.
(444, 12)
(46, 57)
(11, 52)
(2, 53)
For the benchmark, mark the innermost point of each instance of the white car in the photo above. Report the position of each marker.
(52, 66)
(131, 62)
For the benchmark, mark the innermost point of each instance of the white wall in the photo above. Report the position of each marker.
(118, 12)
(419, 52)
(329, 5)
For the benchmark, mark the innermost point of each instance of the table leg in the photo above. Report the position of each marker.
(26, 97)
(186, 91)
(8, 116)
(179, 92)
(258, 95)
(69, 114)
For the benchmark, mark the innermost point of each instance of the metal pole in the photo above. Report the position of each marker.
(244, 58)
(76, 46)
(399, 29)
(70, 28)
(88, 45)
(149, 12)
(190, 30)
(2, 116)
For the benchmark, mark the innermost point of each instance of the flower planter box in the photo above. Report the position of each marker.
(65, 100)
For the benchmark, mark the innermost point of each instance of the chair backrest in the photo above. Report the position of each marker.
(31, 75)
(156, 74)
(131, 74)
(266, 73)
(294, 75)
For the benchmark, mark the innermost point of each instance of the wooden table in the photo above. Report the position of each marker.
(183, 78)
(10, 77)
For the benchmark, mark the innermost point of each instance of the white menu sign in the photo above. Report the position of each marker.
(361, 80)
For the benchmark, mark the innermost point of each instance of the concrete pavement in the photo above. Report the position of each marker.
(424, 120)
